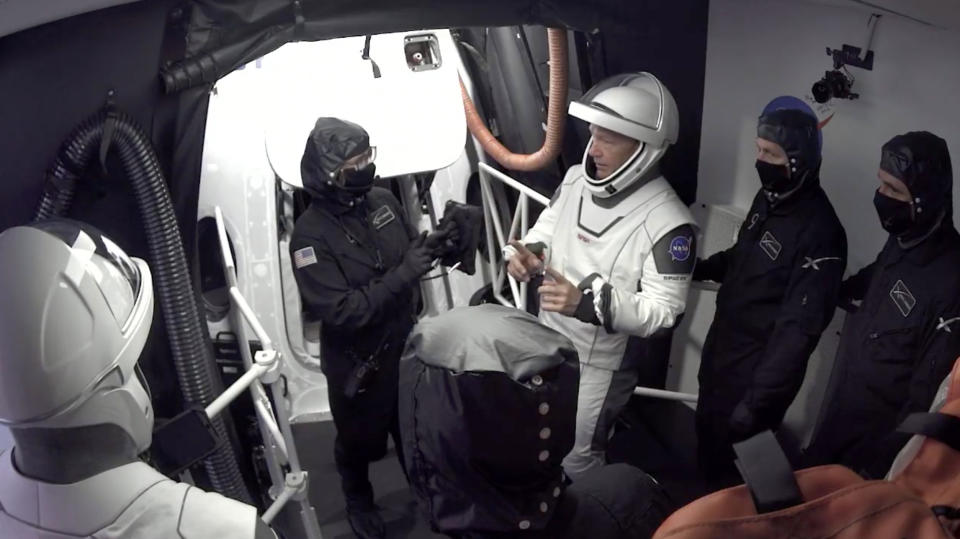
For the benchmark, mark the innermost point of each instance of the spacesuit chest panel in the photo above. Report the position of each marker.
(608, 241)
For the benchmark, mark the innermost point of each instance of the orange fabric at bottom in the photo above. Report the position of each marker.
(839, 505)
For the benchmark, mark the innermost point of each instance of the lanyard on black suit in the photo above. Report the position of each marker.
(375, 252)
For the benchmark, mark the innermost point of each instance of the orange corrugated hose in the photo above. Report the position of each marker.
(556, 110)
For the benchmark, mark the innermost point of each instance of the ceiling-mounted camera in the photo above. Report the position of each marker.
(838, 83)
(833, 84)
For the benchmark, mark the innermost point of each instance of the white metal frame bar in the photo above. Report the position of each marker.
(519, 226)
(664, 394)
(274, 423)
(495, 238)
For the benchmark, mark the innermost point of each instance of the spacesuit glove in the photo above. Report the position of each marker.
(743, 423)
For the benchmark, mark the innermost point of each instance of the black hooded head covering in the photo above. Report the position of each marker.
(331, 143)
(488, 405)
(921, 160)
(790, 123)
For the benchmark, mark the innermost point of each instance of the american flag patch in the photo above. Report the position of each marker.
(304, 257)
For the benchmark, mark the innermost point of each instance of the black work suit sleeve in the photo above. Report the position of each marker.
(935, 357)
(327, 294)
(855, 287)
(806, 309)
(713, 268)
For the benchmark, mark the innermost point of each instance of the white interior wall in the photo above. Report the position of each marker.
(760, 49)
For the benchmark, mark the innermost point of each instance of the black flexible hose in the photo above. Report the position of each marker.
(75, 154)
(192, 356)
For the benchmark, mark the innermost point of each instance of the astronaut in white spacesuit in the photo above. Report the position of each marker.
(75, 315)
(617, 246)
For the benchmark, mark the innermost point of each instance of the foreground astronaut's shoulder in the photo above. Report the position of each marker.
(572, 179)
(672, 231)
(568, 185)
(574, 175)
(668, 214)
(208, 514)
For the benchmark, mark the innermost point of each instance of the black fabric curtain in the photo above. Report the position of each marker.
(54, 76)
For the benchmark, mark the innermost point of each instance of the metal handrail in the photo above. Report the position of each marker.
(274, 421)
(519, 226)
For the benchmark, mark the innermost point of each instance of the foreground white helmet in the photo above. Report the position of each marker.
(75, 314)
(636, 105)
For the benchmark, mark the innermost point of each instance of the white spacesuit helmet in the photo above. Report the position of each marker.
(636, 105)
(75, 312)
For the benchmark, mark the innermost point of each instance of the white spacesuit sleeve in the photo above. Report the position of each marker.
(661, 300)
(661, 296)
(542, 231)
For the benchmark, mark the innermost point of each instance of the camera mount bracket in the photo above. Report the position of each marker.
(850, 56)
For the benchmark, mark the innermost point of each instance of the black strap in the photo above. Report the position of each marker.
(109, 128)
(366, 56)
(366, 48)
(298, 20)
(767, 473)
(941, 427)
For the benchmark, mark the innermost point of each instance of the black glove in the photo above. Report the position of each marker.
(464, 224)
(418, 259)
(438, 242)
(713, 268)
(452, 239)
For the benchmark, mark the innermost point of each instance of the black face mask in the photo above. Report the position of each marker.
(773, 177)
(357, 181)
(895, 215)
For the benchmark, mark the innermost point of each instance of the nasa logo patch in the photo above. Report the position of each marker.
(680, 248)
(675, 253)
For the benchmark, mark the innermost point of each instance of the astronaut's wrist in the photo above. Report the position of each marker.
(599, 292)
(586, 311)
